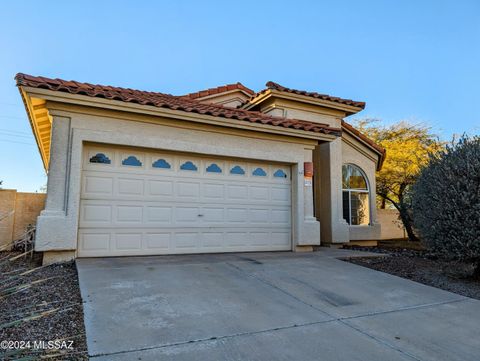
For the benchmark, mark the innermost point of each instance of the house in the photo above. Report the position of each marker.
(226, 169)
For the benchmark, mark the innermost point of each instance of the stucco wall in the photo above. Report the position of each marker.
(391, 226)
(19, 209)
(27, 208)
(58, 223)
(7, 217)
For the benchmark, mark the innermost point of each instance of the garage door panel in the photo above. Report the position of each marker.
(159, 214)
(213, 215)
(160, 188)
(237, 215)
(95, 241)
(128, 241)
(130, 186)
(281, 238)
(96, 213)
(188, 189)
(213, 190)
(157, 208)
(158, 241)
(237, 192)
(281, 194)
(129, 214)
(186, 240)
(280, 216)
(259, 193)
(98, 185)
(259, 215)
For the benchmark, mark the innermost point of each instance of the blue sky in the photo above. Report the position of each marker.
(415, 60)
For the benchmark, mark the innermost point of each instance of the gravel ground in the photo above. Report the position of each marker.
(48, 308)
(421, 267)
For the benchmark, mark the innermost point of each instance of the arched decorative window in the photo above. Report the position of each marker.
(259, 172)
(237, 170)
(356, 198)
(214, 168)
(100, 158)
(188, 166)
(132, 161)
(161, 163)
(280, 174)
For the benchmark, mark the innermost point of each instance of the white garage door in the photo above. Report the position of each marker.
(136, 202)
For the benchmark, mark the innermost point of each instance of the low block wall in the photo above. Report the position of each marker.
(17, 211)
(392, 228)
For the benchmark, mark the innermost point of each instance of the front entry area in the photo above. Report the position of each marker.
(143, 202)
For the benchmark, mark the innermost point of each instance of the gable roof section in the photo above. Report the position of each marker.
(161, 100)
(275, 86)
(380, 150)
(219, 90)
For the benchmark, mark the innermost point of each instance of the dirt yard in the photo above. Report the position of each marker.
(40, 304)
(420, 267)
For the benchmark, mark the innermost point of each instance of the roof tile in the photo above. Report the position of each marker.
(275, 86)
(218, 90)
(161, 100)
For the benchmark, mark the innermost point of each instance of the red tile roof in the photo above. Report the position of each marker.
(218, 90)
(162, 100)
(275, 86)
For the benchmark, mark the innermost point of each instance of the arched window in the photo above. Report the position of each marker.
(356, 203)
(161, 163)
(132, 161)
(100, 158)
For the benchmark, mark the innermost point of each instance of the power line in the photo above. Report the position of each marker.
(14, 141)
(11, 117)
(15, 135)
(14, 131)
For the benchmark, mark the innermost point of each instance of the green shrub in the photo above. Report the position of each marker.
(446, 202)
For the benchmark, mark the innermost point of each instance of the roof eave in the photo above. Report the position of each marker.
(82, 100)
(381, 152)
(269, 93)
(31, 118)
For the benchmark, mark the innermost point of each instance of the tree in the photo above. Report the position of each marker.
(446, 202)
(408, 147)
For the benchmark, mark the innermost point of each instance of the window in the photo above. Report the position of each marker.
(161, 163)
(280, 174)
(100, 158)
(188, 166)
(237, 170)
(259, 172)
(213, 168)
(132, 161)
(356, 204)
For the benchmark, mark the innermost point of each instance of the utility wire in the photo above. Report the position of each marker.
(11, 117)
(15, 135)
(14, 141)
(14, 131)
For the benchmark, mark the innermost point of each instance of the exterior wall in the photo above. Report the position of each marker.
(392, 228)
(295, 110)
(58, 224)
(328, 192)
(22, 209)
(7, 215)
(231, 99)
(27, 208)
(354, 153)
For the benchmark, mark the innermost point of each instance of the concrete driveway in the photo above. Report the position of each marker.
(268, 306)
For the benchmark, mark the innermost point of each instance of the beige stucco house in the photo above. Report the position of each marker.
(221, 170)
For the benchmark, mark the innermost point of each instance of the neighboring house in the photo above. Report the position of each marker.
(223, 170)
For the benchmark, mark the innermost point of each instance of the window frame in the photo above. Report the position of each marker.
(357, 190)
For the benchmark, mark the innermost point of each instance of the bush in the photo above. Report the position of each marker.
(446, 202)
